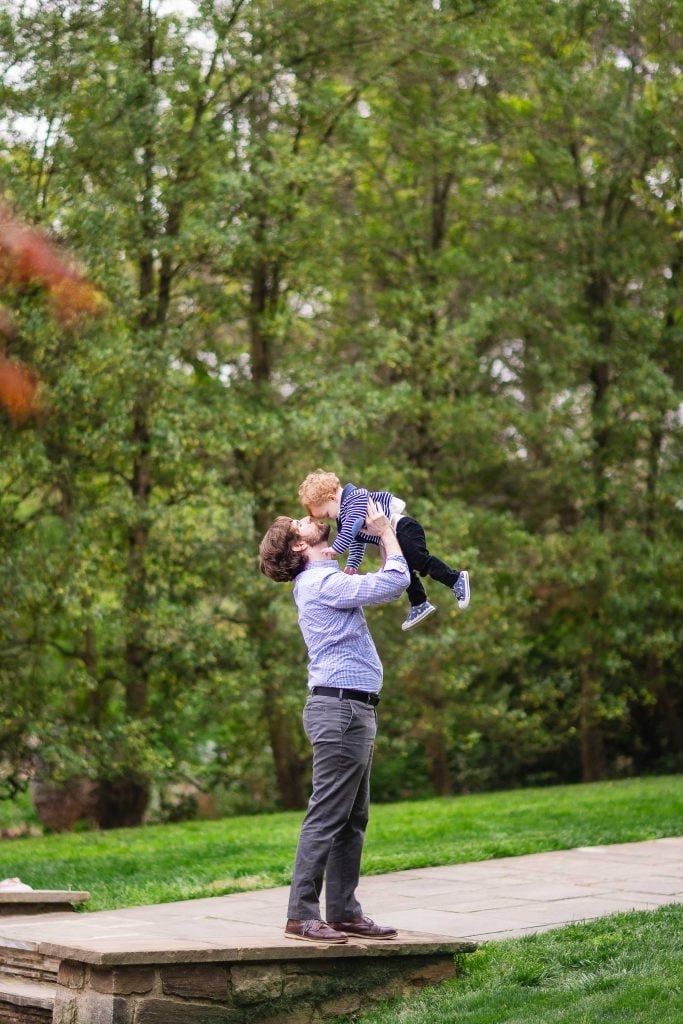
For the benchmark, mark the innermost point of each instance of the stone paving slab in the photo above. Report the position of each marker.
(430, 906)
(248, 948)
(103, 938)
(520, 895)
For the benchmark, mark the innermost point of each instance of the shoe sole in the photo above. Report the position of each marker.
(360, 935)
(416, 622)
(466, 600)
(323, 942)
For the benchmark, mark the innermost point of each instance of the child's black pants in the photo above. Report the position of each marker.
(411, 537)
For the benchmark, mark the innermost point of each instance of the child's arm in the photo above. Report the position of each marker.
(356, 552)
(357, 526)
(351, 520)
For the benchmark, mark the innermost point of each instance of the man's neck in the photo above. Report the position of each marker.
(315, 554)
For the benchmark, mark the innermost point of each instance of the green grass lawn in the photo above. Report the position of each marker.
(170, 862)
(625, 969)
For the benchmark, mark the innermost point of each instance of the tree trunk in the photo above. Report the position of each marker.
(593, 759)
(601, 433)
(123, 799)
(436, 749)
(289, 767)
(670, 721)
(136, 653)
(653, 460)
(287, 762)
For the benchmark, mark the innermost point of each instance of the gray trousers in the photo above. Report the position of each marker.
(342, 734)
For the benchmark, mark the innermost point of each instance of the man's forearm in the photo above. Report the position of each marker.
(390, 542)
(342, 591)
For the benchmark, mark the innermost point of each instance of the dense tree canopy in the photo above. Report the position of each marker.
(435, 247)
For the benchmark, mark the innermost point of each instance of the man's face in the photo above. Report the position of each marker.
(311, 531)
(328, 509)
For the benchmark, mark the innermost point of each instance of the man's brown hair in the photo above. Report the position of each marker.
(277, 558)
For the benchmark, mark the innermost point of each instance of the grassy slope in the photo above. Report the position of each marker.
(170, 862)
(624, 969)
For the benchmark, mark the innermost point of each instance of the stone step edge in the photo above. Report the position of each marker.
(251, 953)
(43, 896)
(27, 965)
(18, 992)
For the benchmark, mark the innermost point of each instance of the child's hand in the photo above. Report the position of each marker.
(328, 551)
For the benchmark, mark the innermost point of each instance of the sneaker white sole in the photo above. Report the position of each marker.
(414, 622)
(464, 602)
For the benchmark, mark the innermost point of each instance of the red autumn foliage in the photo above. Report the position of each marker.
(18, 389)
(27, 257)
(73, 297)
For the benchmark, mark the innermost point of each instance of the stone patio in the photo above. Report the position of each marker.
(226, 960)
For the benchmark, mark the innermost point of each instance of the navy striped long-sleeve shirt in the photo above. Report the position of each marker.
(353, 508)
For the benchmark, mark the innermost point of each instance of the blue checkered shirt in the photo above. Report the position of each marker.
(340, 649)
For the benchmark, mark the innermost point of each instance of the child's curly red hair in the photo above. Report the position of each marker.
(318, 488)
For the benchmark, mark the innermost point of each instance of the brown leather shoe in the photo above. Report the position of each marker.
(314, 931)
(365, 928)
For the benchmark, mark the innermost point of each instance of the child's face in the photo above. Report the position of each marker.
(328, 509)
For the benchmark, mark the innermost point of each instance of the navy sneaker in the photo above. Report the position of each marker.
(417, 613)
(461, 589)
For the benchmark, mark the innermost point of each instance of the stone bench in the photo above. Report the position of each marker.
(39, 901)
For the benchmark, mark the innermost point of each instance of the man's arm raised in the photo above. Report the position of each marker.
(343, 591)
(377, 523)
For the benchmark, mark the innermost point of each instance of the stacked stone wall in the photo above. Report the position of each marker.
(302, 991)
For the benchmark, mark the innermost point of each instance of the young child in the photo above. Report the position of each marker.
(324, 498)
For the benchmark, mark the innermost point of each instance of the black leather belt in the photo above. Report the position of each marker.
(342, 693)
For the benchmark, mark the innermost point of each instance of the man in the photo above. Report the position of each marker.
(344, 681)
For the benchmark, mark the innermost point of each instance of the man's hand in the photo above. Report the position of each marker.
(376, 522)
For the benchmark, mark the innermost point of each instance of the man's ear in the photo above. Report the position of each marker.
(300, 546)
